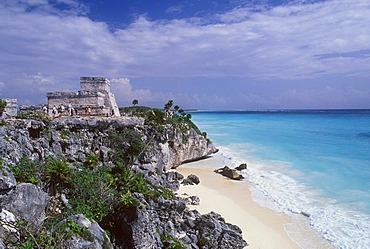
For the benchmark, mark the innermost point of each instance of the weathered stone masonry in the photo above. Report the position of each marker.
(10, 110)
(95, 92)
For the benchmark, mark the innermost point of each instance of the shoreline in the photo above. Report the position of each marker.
(262, 227)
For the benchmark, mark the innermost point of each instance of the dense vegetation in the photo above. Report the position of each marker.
(97, 191)
(175, 116)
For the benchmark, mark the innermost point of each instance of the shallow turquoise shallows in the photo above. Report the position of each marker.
(315, 162)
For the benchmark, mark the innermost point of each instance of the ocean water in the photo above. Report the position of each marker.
(314, 164)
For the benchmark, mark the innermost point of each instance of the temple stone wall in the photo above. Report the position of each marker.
(95, 93)
(11, 108)
(94, 84)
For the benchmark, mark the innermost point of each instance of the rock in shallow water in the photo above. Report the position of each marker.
(230, 173)
(241, 167)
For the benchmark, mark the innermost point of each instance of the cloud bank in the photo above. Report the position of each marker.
(48, 45)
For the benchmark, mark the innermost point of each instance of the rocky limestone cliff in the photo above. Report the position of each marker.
(75, 138)
(152, 223)
(172, 148)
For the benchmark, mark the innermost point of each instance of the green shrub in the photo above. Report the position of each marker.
(127, 181)
(93, 193)
(170, 242)
(156, 117)
(126, 145)
(65, 133)
(127, 200)
(71, 228)
(25, 171)
(164, 192)
(92, 160)
(57, 174)
(47, 237)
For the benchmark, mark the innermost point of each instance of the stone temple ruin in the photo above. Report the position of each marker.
(10, 110)
(94, 95)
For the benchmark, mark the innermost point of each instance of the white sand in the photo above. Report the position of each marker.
(262, 227)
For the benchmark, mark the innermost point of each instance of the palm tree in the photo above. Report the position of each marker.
(182, 112)
(135, 102)
(168, 105)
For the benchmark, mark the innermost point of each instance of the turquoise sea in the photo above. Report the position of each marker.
(310, 162)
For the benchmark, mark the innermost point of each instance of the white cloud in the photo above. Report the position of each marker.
(284, 42)
(125, 93)
(40, 81)
(2, 85)
(176, 9)
(281, 42)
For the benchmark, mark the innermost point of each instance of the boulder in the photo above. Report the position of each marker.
(28, 202)
(241, 167)
(230, 173)
(171, 180)
(214, 232)
(173, 176)
(7, 180)
(139, 228)
(193, 200)
(8, 231)
(95, 238)
(191, 180)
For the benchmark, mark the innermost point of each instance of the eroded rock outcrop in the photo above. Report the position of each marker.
(230, 173)
(191, 180)
(93, 236)
(159, 220)
(171, 148)
(241, 167)
(27, 202)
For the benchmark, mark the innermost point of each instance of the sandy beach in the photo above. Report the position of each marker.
(262, 227)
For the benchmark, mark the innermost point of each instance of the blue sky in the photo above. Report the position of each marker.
(225, 54)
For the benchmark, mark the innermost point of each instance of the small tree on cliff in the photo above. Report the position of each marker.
(168, 105)
(182, 112)
(135, 102)
(176, 108)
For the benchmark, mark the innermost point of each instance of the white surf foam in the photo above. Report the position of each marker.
(274, 187)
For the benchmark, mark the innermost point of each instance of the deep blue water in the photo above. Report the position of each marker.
(311, 161)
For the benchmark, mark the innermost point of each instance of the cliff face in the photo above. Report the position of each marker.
(75, 138)
(171, 148)
(152, 223)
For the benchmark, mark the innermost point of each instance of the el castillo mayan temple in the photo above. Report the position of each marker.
(95, 94)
